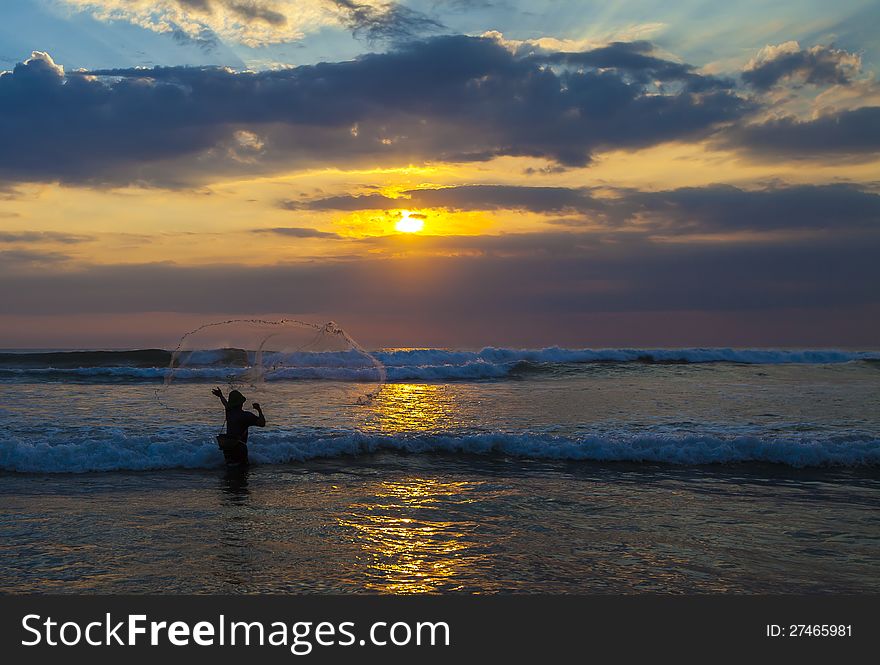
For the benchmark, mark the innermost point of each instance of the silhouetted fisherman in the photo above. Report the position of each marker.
(234, 442)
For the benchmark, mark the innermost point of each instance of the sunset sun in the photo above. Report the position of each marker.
(410, 222)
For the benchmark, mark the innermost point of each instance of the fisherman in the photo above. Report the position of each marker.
(234, 442)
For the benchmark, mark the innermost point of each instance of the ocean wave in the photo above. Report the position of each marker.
(227, 374)
(120, 451)
(400, 364)
(493, 355)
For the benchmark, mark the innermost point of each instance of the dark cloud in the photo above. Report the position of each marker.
(467, 5)
(849, 134)
(720, 208)
(545, 170)
(205, 40)
(256, 22)
(41, 237)
(15, 259)
(301, 232)
(491, 197)
(391, 21)
(636, 59)
(524, 245)
(852, 134)
(201, 5)
(249, 10)
(462, 197)
(255, 11)
(345, 202)
(442, 99)
(8, 193)
(526, 275)
(192, 28)
(820, 65)
(709, 209)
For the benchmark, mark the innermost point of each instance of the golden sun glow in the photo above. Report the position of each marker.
(410, 222)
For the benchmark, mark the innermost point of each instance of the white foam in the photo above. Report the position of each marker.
(436, 364)
(558, 355)
(114, 450)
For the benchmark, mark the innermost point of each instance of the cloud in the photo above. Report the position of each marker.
(41, 237)
(493, 197)
(526, 275)
(205, 40)
(708, 209)
(638, 32)
(257, 23)
(42, 64)
(250, 22)
(251, 10)
(560, 244)
(818, 104)
(819, 65)
(460, 197)
(8, 192)
(468, 5)
(17, 259)
(300, 232)
(725, 208)
(389, 20)
(345, 202)
(443, 99)
(847, 134)
(637, 60)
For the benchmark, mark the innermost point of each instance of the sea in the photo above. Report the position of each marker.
(560, 471)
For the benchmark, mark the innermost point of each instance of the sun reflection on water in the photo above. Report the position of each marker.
(414, 407)
(410, 537)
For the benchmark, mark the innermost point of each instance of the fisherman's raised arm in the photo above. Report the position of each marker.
(219, 393)
(261, 419)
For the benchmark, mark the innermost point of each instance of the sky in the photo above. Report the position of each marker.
(441, 172)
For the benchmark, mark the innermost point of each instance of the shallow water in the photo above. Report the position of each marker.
(800, 415)
(567, 478)
(393, 523)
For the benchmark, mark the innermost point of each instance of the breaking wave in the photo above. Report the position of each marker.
(116, 450)
(400, 364)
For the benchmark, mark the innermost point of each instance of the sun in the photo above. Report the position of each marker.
(409, 222)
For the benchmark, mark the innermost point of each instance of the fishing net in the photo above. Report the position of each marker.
(256, 354)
